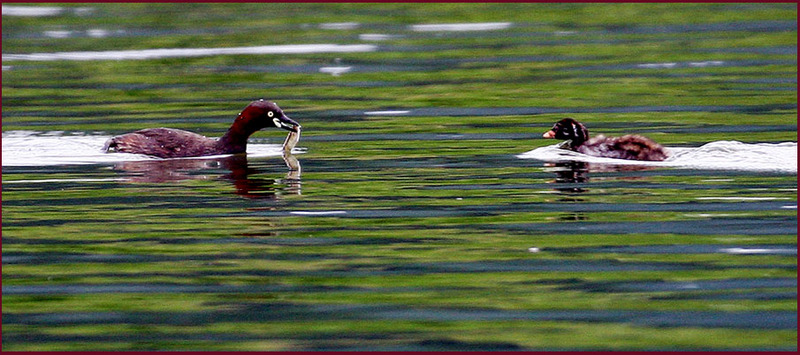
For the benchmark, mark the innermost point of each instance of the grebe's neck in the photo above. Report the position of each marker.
(234, 141)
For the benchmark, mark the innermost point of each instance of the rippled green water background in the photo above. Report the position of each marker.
(410, 228)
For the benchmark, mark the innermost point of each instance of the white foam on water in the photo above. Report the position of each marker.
(31, 11)
(193, 52)
(565, 33)
(335, 71)
(719, 155)
(94, 33)
(752, 251)
(317, 213)
(97, 33)
(28, 148)
(708, 63)
(461, 27)
(656, 65)
(387, 113)
(377, 37)
(44, 11)
(339, 25)
(58, 34)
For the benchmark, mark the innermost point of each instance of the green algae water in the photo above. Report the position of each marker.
(421, 210)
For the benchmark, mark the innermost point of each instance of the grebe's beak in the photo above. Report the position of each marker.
(549, 134)
(287, 123)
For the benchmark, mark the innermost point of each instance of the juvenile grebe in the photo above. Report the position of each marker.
(631, 147)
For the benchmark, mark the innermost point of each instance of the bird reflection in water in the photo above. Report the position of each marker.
(571, 175)
(244, 178)
(574, 175)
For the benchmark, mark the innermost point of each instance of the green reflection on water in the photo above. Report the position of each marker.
(428, 206)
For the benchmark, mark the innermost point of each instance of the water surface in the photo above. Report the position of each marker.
(422, 210)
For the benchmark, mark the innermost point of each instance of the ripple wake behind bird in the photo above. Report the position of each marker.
(718, 155)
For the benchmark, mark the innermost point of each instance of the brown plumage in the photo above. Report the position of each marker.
(631, 147)
(176, 143)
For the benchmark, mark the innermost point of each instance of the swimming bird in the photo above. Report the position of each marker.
(176, 143)
(631, 147)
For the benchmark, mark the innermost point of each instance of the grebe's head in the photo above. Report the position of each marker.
(261, 114)
(568, 129)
